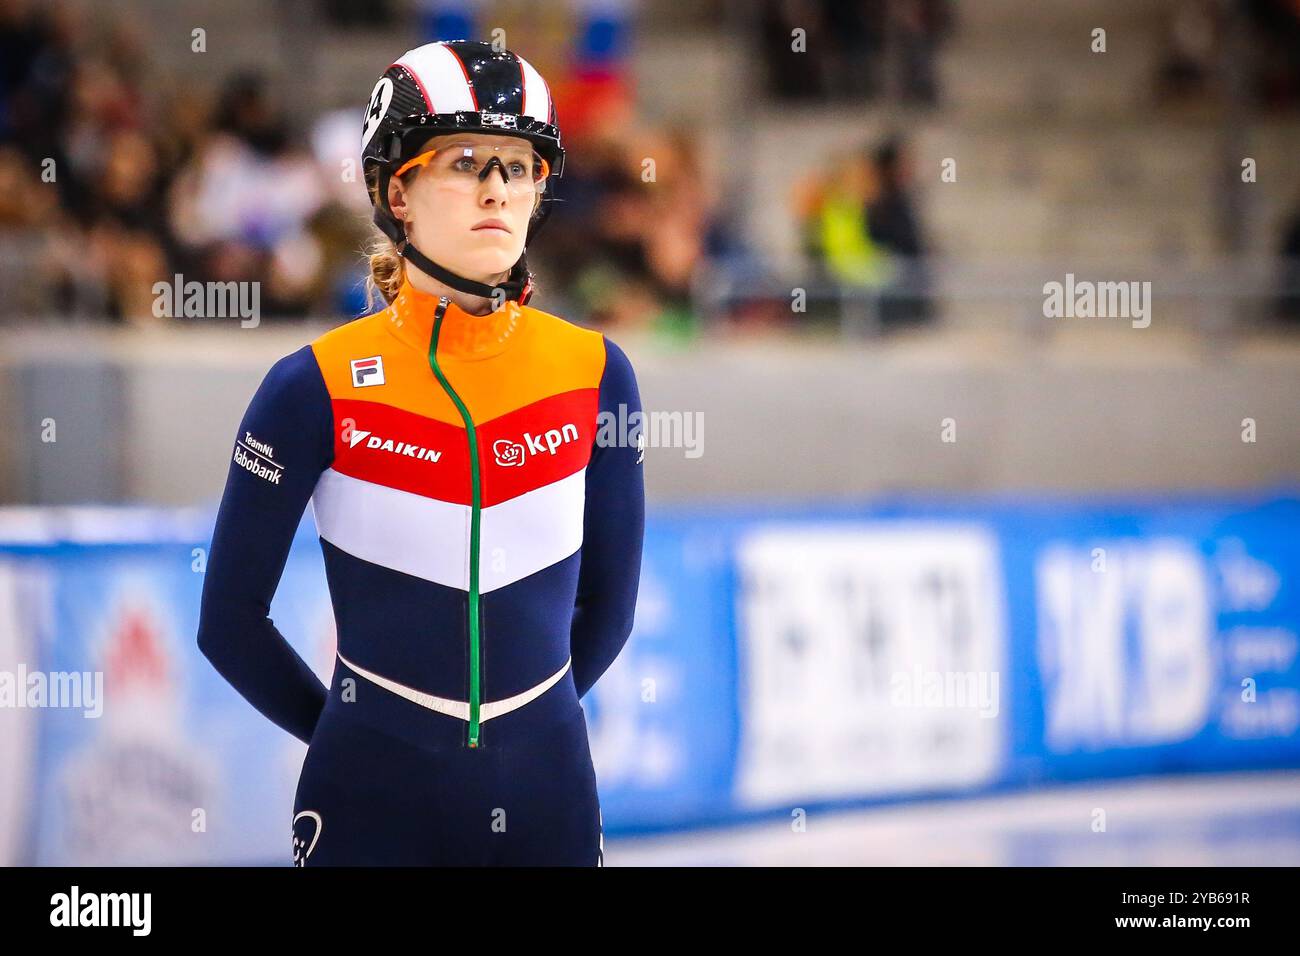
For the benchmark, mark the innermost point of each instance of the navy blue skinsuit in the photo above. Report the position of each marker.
(481, 517)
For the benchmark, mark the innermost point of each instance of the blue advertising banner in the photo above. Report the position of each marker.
(782, 658)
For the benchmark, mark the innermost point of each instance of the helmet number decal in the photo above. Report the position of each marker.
(380, 97)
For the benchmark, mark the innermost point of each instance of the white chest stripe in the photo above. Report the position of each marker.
(429, 539)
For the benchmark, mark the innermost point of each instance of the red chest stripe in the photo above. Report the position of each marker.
(520, 451)
(538, 444)
(399, 449)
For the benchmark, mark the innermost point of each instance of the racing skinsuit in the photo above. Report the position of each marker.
(482, 550)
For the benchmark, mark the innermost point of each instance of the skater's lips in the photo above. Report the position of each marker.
(492, 224)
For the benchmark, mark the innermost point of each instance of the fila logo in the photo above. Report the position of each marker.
(368, 371)
(396, 447)
(509, 453)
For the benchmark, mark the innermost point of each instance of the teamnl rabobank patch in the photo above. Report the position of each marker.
(257, 457)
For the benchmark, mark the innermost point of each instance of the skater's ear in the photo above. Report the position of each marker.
(398, 198)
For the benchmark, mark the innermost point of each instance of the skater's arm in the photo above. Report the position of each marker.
(613, 531)
(284, 443)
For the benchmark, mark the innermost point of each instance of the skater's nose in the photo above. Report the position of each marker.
(492, 188)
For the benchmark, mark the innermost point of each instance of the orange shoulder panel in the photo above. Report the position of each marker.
(550, 357)
(407, 376)
(553, 356)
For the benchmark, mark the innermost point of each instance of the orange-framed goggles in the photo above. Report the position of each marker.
(464, 165)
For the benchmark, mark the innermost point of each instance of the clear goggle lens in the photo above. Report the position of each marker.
(463, 165)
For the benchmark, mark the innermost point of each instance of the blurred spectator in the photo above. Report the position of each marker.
(919, 26)
(831, 208)
(846, 46)
(372, 15)
(1275, 56)
(115, 193)
(224, 185)
(627, 237)
(1194, 36)
(892, 224)
(242, 207)
(37, 63)
(1288, 292)
(126, 190)
(860, 228)
(790, 73)
(24, 201)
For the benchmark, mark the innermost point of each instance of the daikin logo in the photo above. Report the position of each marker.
(403, 448)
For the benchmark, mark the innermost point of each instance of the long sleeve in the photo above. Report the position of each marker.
(284, 443)
(613, 531)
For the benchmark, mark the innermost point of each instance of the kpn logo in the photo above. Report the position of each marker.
(509, 453)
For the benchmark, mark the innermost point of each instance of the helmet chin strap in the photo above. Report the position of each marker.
(517, 286)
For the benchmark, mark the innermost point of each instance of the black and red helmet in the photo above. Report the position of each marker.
(447, 87)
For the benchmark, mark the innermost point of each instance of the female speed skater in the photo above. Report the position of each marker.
(481, 532)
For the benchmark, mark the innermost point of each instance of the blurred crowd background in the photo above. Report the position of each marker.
(720, 155)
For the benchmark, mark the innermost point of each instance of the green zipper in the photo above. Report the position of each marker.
(475, 509)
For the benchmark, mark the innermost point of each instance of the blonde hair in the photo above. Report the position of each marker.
(387, 271)
(387, 268)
